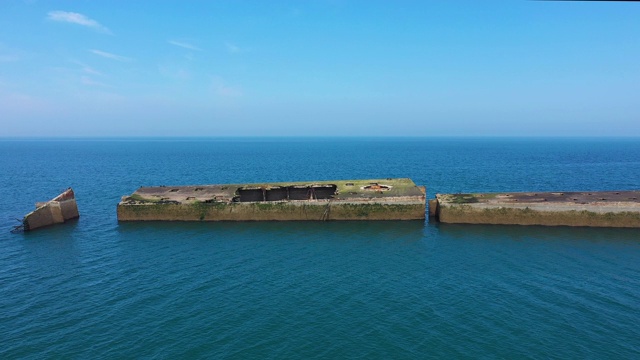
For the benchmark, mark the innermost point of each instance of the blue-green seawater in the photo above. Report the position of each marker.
(94, 288)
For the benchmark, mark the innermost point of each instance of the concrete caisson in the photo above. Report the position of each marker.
(56, 211)
(596, 209)
(377, 199)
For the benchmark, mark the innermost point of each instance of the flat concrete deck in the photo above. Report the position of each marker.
(374, 199)
(598, 209)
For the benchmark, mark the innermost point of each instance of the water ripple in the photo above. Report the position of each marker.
(98, 289)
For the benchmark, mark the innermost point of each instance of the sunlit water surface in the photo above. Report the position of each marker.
(94, 288)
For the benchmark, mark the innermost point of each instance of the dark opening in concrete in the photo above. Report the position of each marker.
(299, 193)
(247, 195)
(324, 191)
(293, 192)
(276, 194)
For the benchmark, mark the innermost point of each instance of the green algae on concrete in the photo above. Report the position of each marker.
(596, 209)
(377, 199)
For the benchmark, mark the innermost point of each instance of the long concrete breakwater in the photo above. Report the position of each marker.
(376, 199)
(595, 209)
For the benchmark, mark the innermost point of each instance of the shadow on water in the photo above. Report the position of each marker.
(405, 230)
(543, 233)
(278, 247)
(58, 232)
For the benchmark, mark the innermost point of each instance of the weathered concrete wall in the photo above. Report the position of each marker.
(433, 208)
(69, 209)
(377, 199)
(595, 209)
(465, 214)
(45, 215)
(53, 212)
(60, 209)
(272, 211)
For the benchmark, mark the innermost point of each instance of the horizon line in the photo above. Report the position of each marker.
(193, 137)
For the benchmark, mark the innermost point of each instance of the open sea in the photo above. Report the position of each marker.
(93, 288)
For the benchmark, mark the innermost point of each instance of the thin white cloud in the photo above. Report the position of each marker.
(221, 88)
(85, 80)
(86, 68)
(184, 45)
(8, 58)
(9, 55)
(174, 72)
(76, 18)
(91, 71)
(229, 91)
(110, 55)
(233, 48)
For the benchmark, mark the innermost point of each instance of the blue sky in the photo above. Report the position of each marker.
(328, 68)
